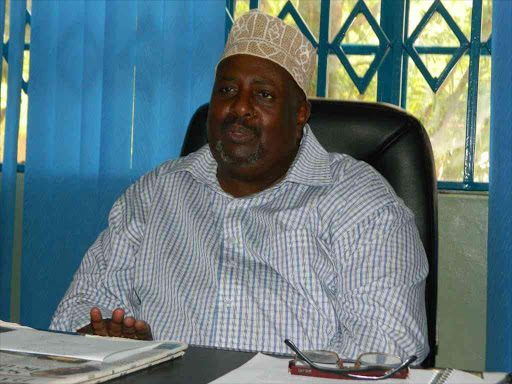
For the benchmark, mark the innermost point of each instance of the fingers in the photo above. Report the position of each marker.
(129, 328)
(133, 329)
(143, 330)
(116, 324)
(98, 325)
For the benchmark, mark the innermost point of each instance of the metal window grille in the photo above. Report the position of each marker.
(396, 49)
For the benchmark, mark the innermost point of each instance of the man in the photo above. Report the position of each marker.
(261, 235)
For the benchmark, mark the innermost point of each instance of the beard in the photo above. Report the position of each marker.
(237, 160)
(233, 159)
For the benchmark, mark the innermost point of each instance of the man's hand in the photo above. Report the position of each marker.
(117, 326)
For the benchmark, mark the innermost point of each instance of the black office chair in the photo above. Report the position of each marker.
(393, 142)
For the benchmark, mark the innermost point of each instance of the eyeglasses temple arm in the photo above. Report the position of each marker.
(405, 364)
(289, 343)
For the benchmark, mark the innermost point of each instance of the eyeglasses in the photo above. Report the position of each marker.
(368, 366)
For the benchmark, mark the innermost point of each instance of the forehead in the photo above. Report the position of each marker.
(253, 68)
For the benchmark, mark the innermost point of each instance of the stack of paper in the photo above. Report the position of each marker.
(28, 355)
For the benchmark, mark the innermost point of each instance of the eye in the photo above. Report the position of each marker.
(226, 89)
(266, 95)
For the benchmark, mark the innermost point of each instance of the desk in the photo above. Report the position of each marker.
(197, 366)
(202, 365)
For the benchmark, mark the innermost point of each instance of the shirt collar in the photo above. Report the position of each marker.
(200, 164)
(310, 167)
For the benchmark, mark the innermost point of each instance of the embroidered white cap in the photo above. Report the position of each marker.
(259, 34)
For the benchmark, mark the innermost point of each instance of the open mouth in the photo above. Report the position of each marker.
(239, 134)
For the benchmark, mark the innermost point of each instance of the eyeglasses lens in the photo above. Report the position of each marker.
(382, 359)
(321, 357)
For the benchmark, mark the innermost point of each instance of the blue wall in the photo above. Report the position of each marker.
(112, 87)
(499, 287)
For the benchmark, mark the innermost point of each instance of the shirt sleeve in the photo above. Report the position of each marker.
(382, 268)
(106, 276)
(103, 280)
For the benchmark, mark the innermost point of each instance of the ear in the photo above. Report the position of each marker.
(303, 113)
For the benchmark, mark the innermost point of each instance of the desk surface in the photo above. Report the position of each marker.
(198, 365)
(203, 365)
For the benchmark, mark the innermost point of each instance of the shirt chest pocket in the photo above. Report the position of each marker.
(301, 259)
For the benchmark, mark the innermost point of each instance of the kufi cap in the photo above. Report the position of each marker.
(259, 34)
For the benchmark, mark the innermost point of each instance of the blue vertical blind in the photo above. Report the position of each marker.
(390, 55)
(113, 84)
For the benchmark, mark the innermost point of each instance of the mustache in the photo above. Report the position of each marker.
(232, 122)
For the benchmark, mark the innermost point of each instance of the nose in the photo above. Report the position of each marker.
(242, 105)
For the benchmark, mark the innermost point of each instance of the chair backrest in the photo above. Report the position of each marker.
(395, 144)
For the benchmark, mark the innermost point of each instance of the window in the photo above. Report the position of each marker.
(431, 57)
(20, 101)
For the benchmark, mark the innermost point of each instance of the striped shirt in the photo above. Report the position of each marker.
(329, 257)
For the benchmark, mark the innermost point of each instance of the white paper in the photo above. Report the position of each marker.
(272, 370)
(94, 348)
(22, 368)
(12, 325)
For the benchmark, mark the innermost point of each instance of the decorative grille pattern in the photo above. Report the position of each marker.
(387, 55)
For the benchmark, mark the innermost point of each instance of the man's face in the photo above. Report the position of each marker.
(255, 118)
